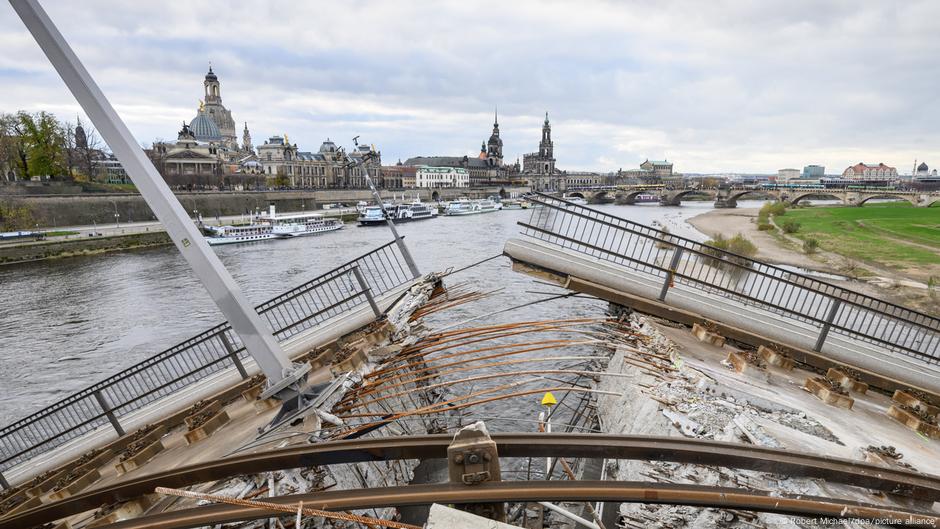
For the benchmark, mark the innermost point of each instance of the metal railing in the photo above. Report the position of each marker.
(677, 260)
(293, 312)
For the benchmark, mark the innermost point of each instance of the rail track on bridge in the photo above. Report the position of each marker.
(672, 449)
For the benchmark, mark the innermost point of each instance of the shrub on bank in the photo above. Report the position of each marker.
(765, 226)
(774, 209)
(738, 244)
(810, 245)
(791, 226)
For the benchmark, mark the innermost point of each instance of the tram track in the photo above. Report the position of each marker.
(561, 490)
(569, 445)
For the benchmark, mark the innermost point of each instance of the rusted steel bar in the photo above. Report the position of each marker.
(524, 491)
(349, 403)
(481, 377)
(286, 508)
(571, 445)
(424, 367)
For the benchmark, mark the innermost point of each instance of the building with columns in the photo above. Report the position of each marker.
(330, 167)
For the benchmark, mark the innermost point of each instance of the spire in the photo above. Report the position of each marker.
(495, 116)
(546, 117)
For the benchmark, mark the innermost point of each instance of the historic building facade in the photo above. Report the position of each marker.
(487, 168)
(862, 171)
(438, 177)
(188, 163)
(330, 167)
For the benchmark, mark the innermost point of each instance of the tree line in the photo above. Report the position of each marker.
(40, 145)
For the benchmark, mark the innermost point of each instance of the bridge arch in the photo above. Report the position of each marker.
(502, 192)
(601, 197)
(819, 193)
(911, 199)
(674, 198)
(628, 198)
(435, 196)
(576, 194)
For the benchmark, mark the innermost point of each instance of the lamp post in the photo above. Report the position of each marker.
(117, 216)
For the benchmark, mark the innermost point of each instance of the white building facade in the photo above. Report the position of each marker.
(437, 177)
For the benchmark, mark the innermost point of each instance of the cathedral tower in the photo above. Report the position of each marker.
(494, 151)
(246, 139)
(545, 146)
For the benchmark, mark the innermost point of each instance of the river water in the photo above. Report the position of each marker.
(67, 323)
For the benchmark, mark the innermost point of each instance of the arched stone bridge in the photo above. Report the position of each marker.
(728, 198)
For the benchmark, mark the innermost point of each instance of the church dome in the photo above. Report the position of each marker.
(204, 129)
(922, 167)
(328, 146)
(495, 139)
(211, 75)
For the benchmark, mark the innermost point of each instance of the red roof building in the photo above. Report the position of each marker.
(861, 171)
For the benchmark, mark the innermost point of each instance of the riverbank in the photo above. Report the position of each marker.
(866, 276)
(93, 240)
(72, 247)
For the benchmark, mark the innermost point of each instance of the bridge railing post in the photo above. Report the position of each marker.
(670, 274)
(830, 317)
(233, 354)
(367, 290)
(106, 408)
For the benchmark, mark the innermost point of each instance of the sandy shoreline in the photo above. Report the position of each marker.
(730, 222)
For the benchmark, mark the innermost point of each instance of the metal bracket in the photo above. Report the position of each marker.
(472, 459)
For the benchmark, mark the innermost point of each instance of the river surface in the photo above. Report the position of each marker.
(67, 323)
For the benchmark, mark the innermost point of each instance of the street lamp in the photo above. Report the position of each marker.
(117, 216)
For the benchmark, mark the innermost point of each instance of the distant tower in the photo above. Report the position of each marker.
(213, 91)
(246, 139)
(81, 139)
(494, 151)
(545, 146)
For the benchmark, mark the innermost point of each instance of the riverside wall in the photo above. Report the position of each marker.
(89, 208)
(22, 253)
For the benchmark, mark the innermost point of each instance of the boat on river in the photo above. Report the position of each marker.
(516, 203)
(575, 200)
(272, 226)
(465, 206)
(417, 210)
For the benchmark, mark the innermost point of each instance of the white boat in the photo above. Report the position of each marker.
(417, 210)
(516, 203)
(302, 224)
(372, 216)
(575, 200)
(464, 206)
(236, 234)
(272, 226)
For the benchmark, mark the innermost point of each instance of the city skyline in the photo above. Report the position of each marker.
(732, 90)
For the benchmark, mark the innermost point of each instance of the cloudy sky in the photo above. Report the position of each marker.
(712, 86)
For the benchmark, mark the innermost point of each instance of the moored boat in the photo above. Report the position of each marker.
(237, 234)
(465, 206)
(271, 226)
(372, 216)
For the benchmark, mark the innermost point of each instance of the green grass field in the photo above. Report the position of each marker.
(894, 234)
